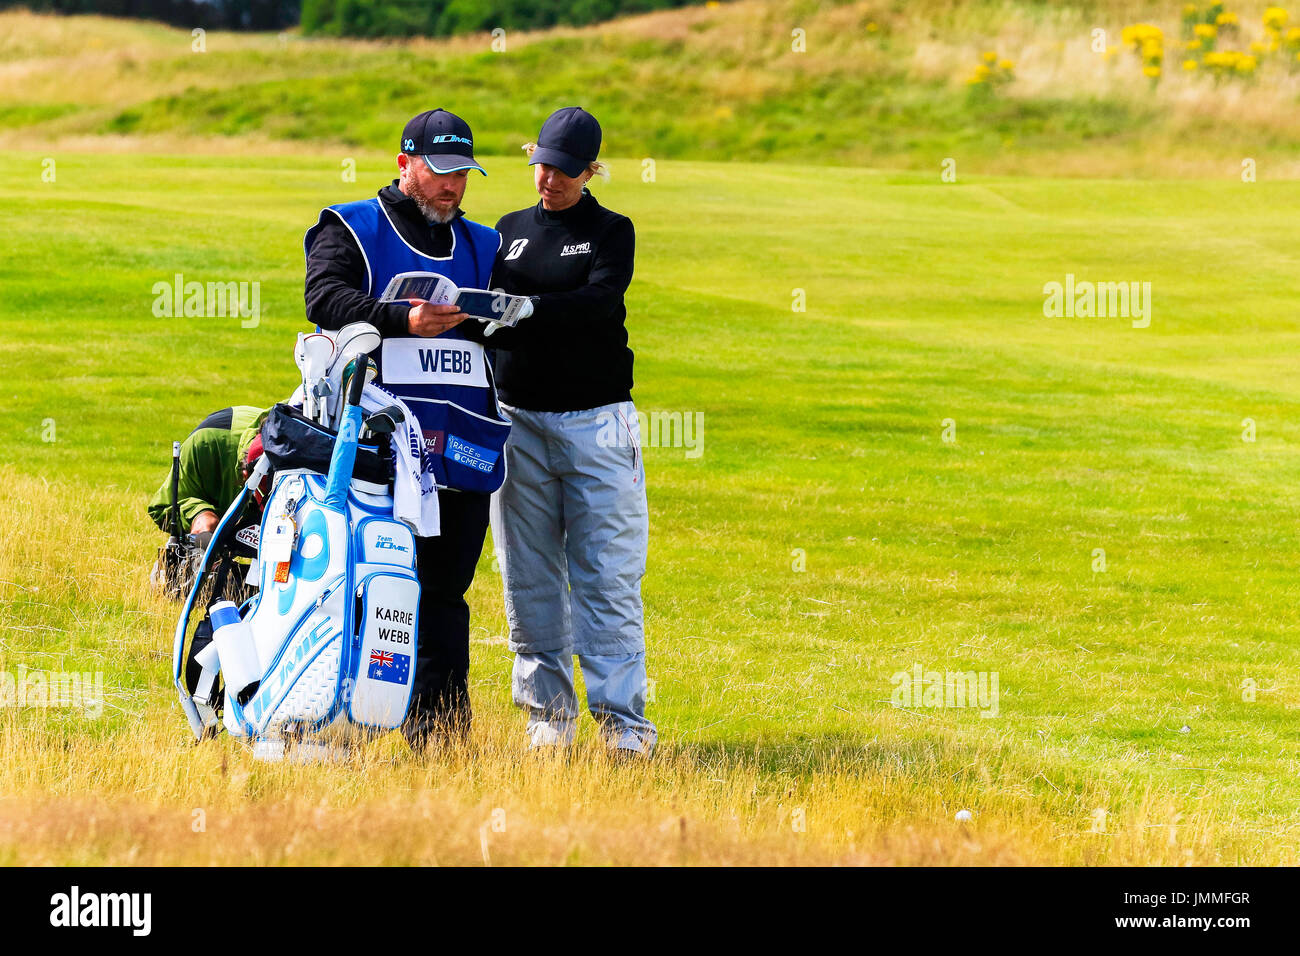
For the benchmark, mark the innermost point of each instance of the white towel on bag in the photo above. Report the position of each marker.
(415, 497)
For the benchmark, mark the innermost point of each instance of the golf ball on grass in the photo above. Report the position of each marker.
(963, 816)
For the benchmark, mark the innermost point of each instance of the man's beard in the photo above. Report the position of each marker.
(427, 209)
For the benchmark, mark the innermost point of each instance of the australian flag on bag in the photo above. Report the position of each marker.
(388, 666)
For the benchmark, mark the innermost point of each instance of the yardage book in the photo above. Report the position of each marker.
(482, 304)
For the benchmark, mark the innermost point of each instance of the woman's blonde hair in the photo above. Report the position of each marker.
(595, 167)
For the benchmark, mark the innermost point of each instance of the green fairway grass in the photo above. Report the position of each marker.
(827, 537)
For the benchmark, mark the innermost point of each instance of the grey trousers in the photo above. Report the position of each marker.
(570, 527)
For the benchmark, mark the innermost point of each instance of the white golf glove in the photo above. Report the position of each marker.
(524, 312)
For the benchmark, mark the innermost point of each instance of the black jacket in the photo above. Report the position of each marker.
(572, 353)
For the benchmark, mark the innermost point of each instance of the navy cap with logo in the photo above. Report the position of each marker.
(443, 139)
(569, 141)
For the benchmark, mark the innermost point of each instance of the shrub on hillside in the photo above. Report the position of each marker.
(404, 18)
(208, 14)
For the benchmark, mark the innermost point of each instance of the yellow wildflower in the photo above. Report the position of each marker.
(1151, 71)
(1206, 31)
(1224, 60)
(990, 57)
(1141, 33)
(1189, 64)
(1275, 18)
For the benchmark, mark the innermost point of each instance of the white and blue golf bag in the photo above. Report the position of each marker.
(326, 649)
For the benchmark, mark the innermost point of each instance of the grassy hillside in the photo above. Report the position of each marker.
(876, 83)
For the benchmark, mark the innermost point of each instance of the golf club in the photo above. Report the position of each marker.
(317, 350)
(357, 338)
(322, 391)
(382, 422)
(349, 371)
(300, 360)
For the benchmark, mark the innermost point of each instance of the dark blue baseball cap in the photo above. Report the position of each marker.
(569, 141)
(443, 139)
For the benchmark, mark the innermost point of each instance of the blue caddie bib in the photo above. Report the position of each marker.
(447, 380)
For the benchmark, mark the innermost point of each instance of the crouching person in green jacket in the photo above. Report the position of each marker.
(215, 461)
(212, 470)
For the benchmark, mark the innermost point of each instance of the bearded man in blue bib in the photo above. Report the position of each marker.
(354, 249)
